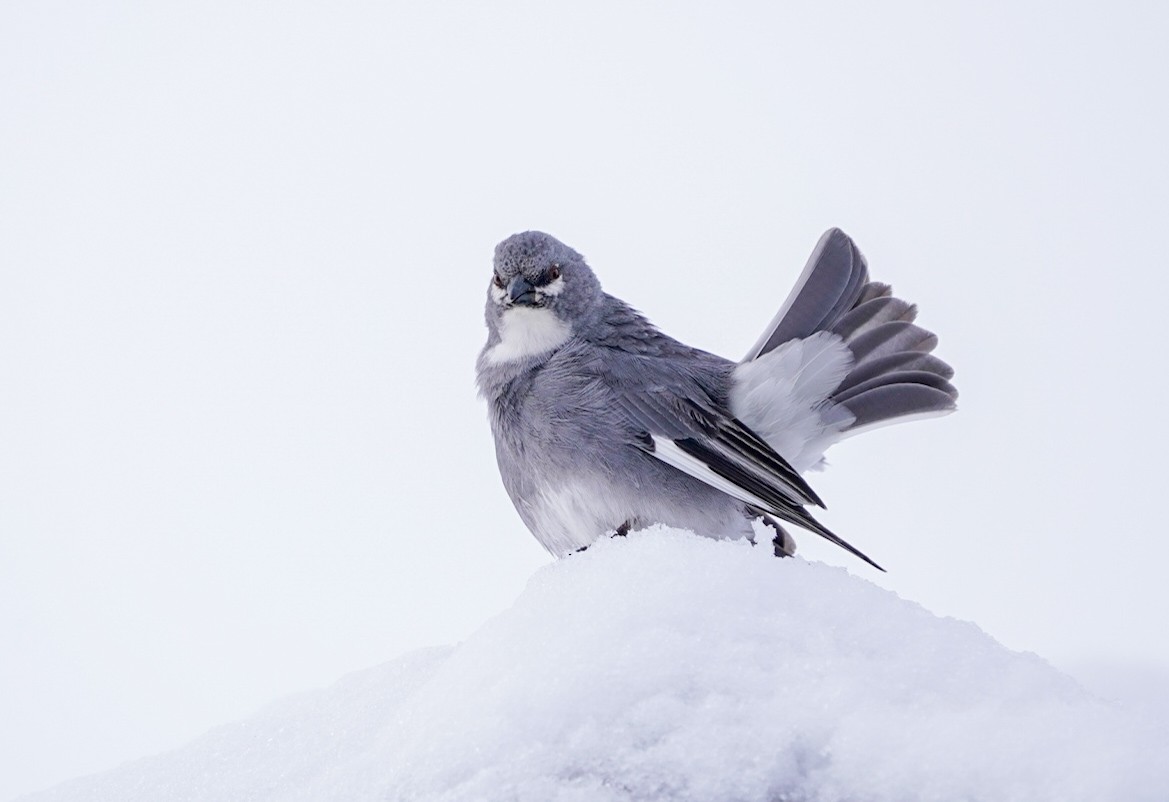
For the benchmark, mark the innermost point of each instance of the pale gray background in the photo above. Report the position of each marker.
(244, 251)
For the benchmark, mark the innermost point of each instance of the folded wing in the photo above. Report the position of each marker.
(691, 434)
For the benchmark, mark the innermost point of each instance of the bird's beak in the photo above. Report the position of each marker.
(521, 292)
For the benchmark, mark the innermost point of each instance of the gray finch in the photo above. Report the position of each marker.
(603, 424)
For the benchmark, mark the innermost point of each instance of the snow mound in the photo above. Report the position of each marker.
(664, 666)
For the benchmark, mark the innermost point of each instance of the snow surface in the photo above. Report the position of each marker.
(664, 666)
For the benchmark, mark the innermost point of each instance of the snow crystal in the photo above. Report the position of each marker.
(664, 666)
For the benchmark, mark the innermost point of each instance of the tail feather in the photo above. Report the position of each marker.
(873, 290)
(892, 401)
(842, 355)
(891, 338)
(906, 360)
(857, 279)
(835, 276)
(893, 374)
(870, 314)
(923, 377)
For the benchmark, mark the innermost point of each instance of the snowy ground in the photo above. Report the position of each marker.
(669, 667)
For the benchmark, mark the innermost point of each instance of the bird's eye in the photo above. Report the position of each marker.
(499, 281)
(554, 272)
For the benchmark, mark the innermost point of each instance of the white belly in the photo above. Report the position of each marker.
(567, 517)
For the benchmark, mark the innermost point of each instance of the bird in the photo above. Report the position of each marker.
(605, 425)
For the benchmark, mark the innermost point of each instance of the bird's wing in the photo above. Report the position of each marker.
(691, 433)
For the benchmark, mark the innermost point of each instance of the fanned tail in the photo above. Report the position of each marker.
(894, 375)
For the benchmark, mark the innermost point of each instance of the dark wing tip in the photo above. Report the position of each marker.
(806, 521)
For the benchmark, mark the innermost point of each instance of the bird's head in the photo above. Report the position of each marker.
(542, 281)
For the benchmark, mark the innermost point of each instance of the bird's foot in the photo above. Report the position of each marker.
(620, 531)
(784, 543)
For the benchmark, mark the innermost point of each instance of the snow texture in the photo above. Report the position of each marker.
(665, 666)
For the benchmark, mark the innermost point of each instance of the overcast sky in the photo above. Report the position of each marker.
(244, 250)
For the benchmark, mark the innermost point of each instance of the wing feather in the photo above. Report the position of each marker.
(694, 436)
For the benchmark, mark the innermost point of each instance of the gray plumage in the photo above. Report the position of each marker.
(604, 424)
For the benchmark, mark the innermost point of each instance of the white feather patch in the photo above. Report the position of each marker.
(525, 332)
(668, 452)
(571, 516)
(554, 287)
(781, 397)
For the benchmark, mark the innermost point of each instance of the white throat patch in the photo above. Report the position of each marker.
(524, 332)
